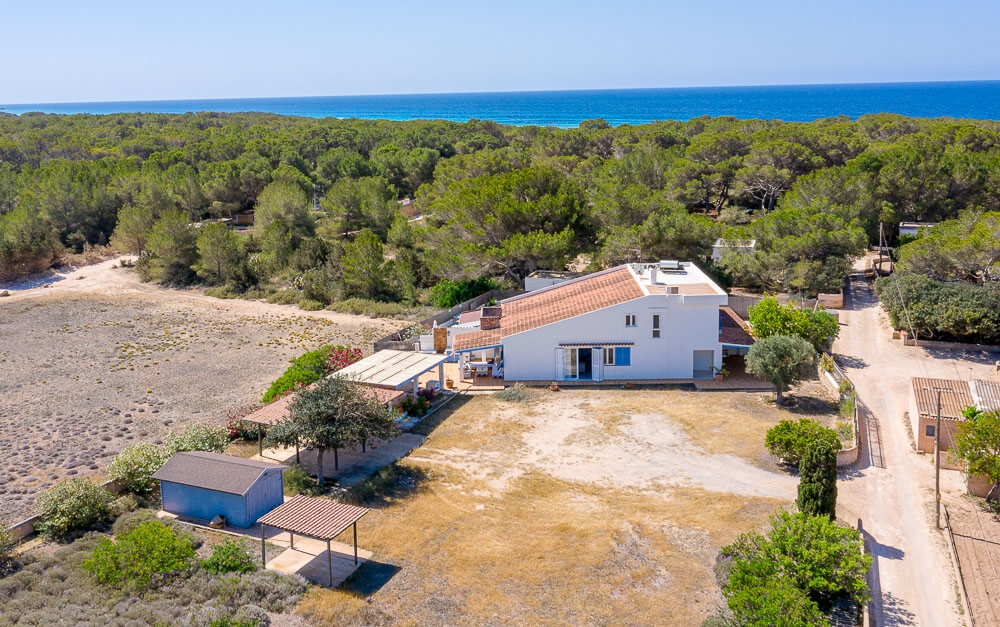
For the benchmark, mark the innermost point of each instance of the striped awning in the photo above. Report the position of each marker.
(322, 519)
(594, 344)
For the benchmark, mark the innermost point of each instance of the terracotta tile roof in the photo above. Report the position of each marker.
(952, 402)
(555, 303)
(273, 413)
(214, 471)
(732, 328)
(318, 518)
(382, 395)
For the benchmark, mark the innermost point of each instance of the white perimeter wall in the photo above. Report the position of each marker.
(687, 323)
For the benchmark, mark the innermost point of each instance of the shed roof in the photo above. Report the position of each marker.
(954, 398)
(987, 394)
(391, 368)
(318, 518)
(214, 471)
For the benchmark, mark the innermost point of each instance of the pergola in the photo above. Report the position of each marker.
(320, 519)
(396, 370)
(268, 416)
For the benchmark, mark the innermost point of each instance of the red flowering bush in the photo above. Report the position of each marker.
(342, 357)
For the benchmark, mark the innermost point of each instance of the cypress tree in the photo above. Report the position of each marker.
(818, 480)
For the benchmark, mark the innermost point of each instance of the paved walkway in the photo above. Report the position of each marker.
(355, 466)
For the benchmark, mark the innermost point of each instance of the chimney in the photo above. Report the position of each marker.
(490, 318)
(652, 275)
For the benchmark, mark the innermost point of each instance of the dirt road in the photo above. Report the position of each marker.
(916, 579)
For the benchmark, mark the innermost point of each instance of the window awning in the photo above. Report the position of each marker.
(594, 344)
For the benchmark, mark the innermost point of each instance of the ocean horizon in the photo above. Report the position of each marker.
(791, 103)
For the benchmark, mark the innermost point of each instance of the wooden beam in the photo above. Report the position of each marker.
(329, 562)
(355, 525)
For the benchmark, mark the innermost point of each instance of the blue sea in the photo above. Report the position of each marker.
(801, 103)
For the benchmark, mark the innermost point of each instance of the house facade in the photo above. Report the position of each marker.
(632, 322)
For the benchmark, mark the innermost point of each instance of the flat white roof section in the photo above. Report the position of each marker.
(391, 368)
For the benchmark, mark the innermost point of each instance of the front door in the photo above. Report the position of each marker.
(586, 364)
(703, 362)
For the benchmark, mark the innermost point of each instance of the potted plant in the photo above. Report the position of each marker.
(720, 373)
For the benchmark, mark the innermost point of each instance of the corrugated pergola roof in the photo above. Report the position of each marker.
(322, 519)
(391, 368)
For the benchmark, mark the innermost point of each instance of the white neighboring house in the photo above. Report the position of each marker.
(632, 322)
(722, 246)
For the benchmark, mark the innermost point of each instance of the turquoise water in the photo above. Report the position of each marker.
(802, 103)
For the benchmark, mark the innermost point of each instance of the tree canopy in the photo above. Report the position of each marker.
(780, 359)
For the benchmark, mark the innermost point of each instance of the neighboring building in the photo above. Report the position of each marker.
(633, 322)
(205, 485)
(956, 395)
(913, 228)
(547, 278)
(722, 246)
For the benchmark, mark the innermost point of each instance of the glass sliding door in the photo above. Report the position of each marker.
(570, 363)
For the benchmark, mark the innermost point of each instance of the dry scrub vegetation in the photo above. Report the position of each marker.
(582, 506)
(84, 375)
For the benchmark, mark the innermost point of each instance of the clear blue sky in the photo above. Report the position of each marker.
(105, 50)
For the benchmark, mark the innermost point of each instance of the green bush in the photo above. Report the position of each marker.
(789, 439)
(72, 505)
(133, 468)
(298, 481)
(826, 362)
(514, 394)
(129, 521)
(942, 310)
(198, 437)
(377, 309)
(305, 369)
(448, 293)
(230, 556)
(415, 405)
(846, 406)
(8, 561)
(140, 557)
(308, 304)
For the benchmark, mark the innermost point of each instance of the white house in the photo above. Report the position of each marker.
(633, 322)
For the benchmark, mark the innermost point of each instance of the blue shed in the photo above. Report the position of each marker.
(204, 485)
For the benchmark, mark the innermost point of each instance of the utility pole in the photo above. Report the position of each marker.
(937, 457)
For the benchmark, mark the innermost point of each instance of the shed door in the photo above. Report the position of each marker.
(703, 362)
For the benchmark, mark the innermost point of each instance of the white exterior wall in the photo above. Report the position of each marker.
(687, 323)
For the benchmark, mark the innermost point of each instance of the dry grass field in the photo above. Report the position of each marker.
(90, 366)
(581, 506)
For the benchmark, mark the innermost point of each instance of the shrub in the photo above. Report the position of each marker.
(448, 293)
(305, 369)
(8, 561)
(514, 394)
(129, 521)
(341, 357)
(846, 406)
(71, 505)
(826, 362)
(253, 615)
(241, 429)
(415, 405)
(298, 481)
(123, 505)
(139, 558)
(789, 439)
(373, 308)
(308, 304)
(198, 437)
(133, 468)
(230, 556)
(845, 387)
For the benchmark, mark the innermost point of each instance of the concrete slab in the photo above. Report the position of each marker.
(310, 559)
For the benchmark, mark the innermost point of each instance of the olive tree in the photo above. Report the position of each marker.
(780, 359)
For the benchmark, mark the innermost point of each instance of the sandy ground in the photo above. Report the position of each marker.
(645, 451)
(98, 360)
(916, 580)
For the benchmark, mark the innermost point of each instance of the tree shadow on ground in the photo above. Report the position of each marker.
(369, 578)
(884, 606)
(808, 405)
(848, 361)
(974, 355)
(389, 485)
(895, 611)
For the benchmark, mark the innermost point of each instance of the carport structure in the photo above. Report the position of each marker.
(396, 370)
(319, 519)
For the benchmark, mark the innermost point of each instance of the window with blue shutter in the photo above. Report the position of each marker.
(623, 356)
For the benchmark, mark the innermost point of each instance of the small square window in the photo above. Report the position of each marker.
(630, 320)
(930, 431)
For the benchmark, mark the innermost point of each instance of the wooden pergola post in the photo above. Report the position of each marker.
(260, 440)
(355, 525)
